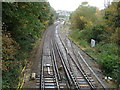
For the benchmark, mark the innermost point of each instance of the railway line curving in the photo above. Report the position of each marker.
(75, 76)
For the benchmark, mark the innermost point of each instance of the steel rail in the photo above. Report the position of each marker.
(42, 86)
(68, 72)
(88, 65)
(80, 67)
(42, 75)
(81, 49)
(54, 66)
(71, 80)
(42, 71)
(83, 74)
(92, 71)
(64, 65)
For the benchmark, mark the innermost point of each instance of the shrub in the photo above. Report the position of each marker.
(107, 55)
(75, 34)
(22, 25)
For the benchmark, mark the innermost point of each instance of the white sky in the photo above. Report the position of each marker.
(71, 5)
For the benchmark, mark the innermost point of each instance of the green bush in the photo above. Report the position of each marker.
(83, 43)
(11, 74)
(75, 34)
(23, 24)
(108, 63)
(107, 55)
(109, 48)
(93, 32)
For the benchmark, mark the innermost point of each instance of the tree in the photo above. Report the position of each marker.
(112, 19)
(23, 24)
(83, 16)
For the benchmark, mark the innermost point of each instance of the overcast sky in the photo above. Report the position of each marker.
(71, 5)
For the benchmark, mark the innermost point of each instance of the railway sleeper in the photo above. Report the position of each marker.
(51, 83)
(84, 86)
(38, 82)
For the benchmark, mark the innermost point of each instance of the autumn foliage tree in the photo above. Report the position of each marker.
(83, 16)
(112, 20)
(104, 27)
(22, 25)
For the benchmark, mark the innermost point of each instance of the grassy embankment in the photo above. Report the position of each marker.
(87, 22)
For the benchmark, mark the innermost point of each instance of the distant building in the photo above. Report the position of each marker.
(63, 13)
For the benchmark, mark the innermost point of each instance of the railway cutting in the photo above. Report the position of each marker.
(62, 65)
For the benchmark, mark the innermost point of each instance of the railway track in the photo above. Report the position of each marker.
(83, 79)
(80, 78)
(78, 55)
(75, 75)
(50, 75)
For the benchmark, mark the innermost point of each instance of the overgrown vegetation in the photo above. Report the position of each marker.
(103, 26)
(23, 24)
